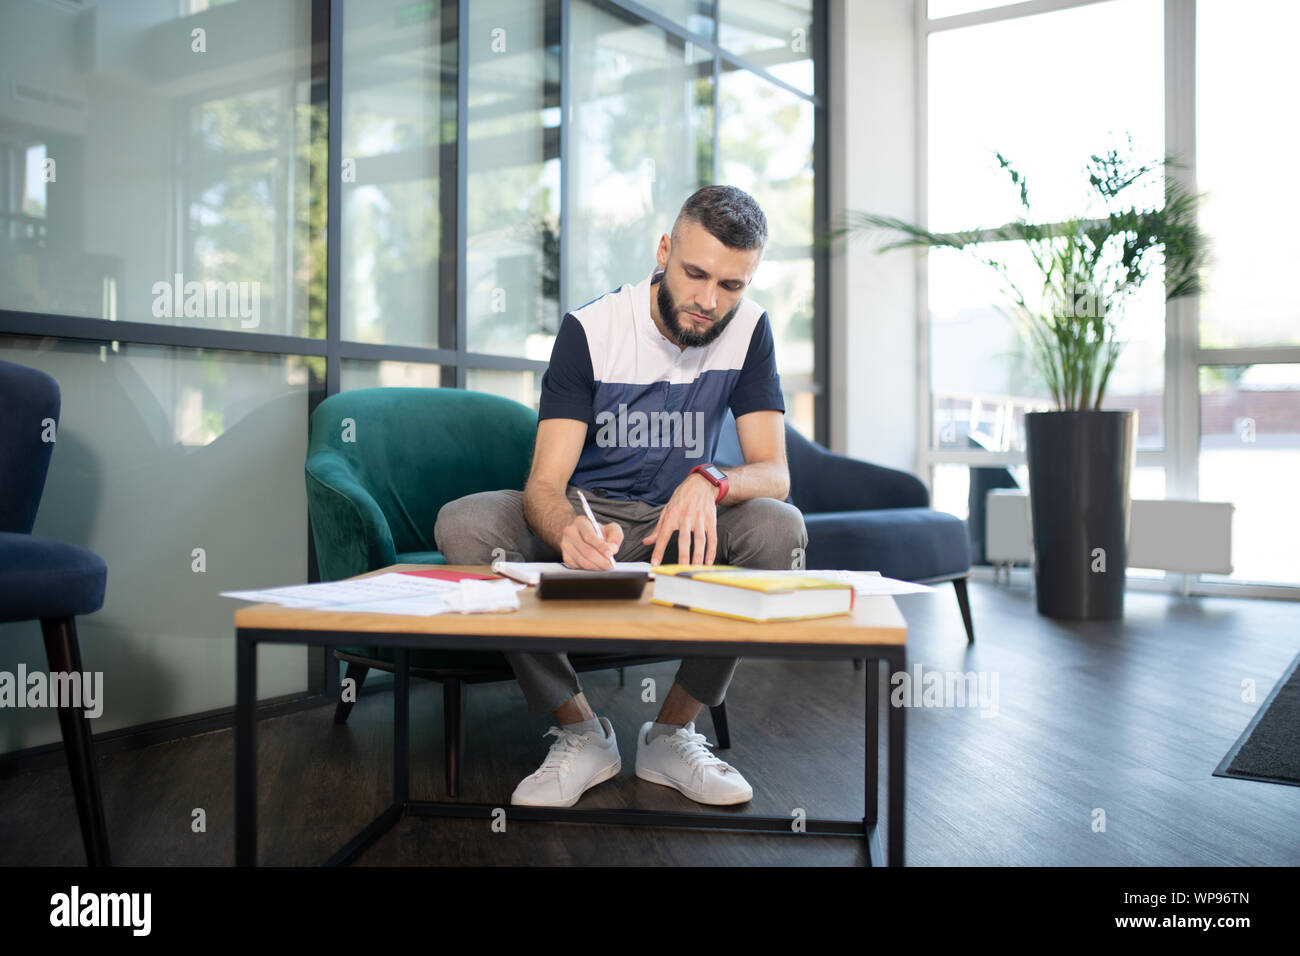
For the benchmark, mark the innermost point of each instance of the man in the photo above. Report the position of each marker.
(631, 409)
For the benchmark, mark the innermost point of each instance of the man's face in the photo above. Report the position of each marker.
(702, 285)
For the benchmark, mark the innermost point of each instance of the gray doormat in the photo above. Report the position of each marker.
(1269, 748)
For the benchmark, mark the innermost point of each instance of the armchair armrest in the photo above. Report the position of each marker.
(828, 481)
(351, 532)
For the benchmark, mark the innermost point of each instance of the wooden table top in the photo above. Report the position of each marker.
(874, 620)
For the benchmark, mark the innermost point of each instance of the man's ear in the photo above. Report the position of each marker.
(665, 247)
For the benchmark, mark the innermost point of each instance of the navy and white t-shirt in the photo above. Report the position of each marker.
(653, 410)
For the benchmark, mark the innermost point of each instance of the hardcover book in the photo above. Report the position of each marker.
(749, 594)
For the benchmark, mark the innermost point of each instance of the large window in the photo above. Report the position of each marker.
(1212, 380)
(161, 251)
(1247, 371)
(215, 213)
(1244, 72)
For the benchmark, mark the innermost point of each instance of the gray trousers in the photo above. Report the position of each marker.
(758, 533)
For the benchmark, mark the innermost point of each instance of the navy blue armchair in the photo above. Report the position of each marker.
(44, 580)
(865, 517)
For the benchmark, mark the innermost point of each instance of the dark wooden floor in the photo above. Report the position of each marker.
(1130, 718)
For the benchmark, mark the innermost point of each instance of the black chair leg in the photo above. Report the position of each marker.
(64, 656)
(964, 602)
(720, 727)
(453, 722)
(356, 672)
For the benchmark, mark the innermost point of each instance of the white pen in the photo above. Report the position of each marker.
(592, 518)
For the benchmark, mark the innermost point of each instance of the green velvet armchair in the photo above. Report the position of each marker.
(381, 463)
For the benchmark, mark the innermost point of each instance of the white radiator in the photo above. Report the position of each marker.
(1164, 535)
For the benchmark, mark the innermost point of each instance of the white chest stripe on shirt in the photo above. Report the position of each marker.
(626, 347)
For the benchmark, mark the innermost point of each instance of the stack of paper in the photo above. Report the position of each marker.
(393, 593)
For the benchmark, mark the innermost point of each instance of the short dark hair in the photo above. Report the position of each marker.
(729, 214)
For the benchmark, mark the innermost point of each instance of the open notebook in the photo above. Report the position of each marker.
(528, 572)
(865, 583)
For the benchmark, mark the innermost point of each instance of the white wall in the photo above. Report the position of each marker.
(873, 115)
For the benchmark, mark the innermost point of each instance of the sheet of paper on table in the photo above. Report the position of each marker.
(867, 583)
(393, 593)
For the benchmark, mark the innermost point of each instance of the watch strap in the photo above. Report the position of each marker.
(723, 486)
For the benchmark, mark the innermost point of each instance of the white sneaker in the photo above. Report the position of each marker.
(682, 760)
(575, 764)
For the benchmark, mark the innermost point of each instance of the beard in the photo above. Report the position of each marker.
(681, 327)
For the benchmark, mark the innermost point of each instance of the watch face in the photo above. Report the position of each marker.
(714, 472)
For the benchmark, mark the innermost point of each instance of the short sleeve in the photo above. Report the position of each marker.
(759, 386)
(568, 385)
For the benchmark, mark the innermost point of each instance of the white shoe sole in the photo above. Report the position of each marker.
(609, 772)
(654, 776)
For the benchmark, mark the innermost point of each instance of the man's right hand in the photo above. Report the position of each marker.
(548, 509)
(581, 547)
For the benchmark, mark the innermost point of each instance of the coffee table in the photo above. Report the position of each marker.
(875, 632)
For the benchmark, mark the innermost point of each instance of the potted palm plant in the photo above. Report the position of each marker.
(1086, 269)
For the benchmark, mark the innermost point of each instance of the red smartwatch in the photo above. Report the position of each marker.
(715, 476)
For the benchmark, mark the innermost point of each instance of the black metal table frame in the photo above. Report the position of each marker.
(248, 639)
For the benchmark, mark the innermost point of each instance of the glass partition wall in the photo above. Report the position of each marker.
(215, 214)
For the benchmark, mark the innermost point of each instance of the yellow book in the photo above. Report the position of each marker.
(749, 594)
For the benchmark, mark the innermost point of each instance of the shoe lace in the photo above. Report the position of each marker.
(562, 751)
(693, 748)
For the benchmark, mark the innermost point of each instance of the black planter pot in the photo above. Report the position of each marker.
(1080, 467)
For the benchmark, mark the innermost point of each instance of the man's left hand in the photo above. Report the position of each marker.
(692, 512)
